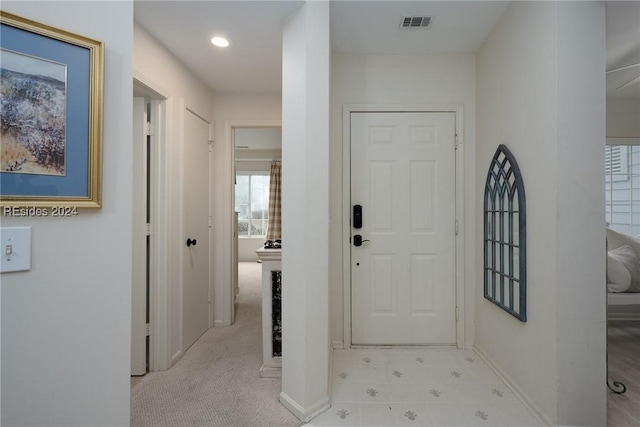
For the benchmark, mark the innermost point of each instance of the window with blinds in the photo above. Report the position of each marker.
(616, 164)
(622, 188)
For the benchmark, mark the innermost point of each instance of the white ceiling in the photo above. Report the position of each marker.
(253, 62)
(373, 27)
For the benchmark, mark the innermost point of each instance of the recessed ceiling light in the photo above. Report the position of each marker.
(220, 41)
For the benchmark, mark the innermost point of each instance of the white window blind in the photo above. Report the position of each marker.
(622, 188)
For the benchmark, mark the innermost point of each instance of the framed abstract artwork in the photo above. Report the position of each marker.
(51, 107)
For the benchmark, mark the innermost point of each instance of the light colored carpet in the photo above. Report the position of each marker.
(217, 382)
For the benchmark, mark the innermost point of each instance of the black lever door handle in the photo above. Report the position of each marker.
(191, 242)
(357, 240)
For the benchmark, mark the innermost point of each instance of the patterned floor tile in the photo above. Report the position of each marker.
(435, 393)
(447, 414)
(517, 415)
(482, 414)
(411, 414)
(377, 415)
(419, 387)
(405, 393)
(373, 393)
(402, 374)
(483, 393)
(344, 392)
(480, 373)
(340, 414)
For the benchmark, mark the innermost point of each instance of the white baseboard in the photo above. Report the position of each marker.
(336, 344)
(520, 394)
(304, 415)
(218, 323)
(177, 356)
(270, 372)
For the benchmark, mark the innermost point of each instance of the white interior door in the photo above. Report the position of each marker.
(139, 240)
(403, 274)
(195, 294)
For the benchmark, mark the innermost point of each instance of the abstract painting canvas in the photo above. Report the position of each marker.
(32, 114)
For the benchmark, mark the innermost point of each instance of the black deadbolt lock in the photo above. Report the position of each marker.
(357, 216)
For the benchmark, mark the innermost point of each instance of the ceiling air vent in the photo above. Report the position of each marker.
(409, 22)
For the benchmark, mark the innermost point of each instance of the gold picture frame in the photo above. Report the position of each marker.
(51, 109)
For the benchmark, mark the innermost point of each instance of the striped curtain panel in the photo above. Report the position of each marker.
(274, 229)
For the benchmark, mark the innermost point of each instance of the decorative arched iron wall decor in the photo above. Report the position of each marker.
(505, 235)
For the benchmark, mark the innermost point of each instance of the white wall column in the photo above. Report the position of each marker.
(581, 295)
(305, 210)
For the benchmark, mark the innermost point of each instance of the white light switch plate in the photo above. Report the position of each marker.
(15, 249)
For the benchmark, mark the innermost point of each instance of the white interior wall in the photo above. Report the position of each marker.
(305, 210)
(533, 72)
(247, 248)
(623, 118)
(245, 108)
(66, 324)
(400, 80)
(156, 65)
(259, 138)
(517, 106)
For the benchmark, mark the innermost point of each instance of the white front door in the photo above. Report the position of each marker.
(195, 294)
(403, 281)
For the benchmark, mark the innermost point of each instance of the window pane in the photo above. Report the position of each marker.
(243, 228)
(258, 227)
(252, 203)
(259, 197)
(242, 196)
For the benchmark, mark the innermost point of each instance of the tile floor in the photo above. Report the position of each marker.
(419, 387)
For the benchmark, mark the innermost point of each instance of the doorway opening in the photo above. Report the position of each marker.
(622, 215)
(254, 149)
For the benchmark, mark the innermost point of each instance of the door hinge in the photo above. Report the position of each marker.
(208, 297)
(211, 142)
(147, 229)
(457, 227)
(147, 330)
(210, 221)
(457, 142)
(148, 129)
(457, 314)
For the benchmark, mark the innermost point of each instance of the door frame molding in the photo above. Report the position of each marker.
(347, 109)
(161, 104)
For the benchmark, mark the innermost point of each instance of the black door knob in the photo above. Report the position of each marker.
(191, 242)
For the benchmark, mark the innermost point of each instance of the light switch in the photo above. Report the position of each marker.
(16, 249)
